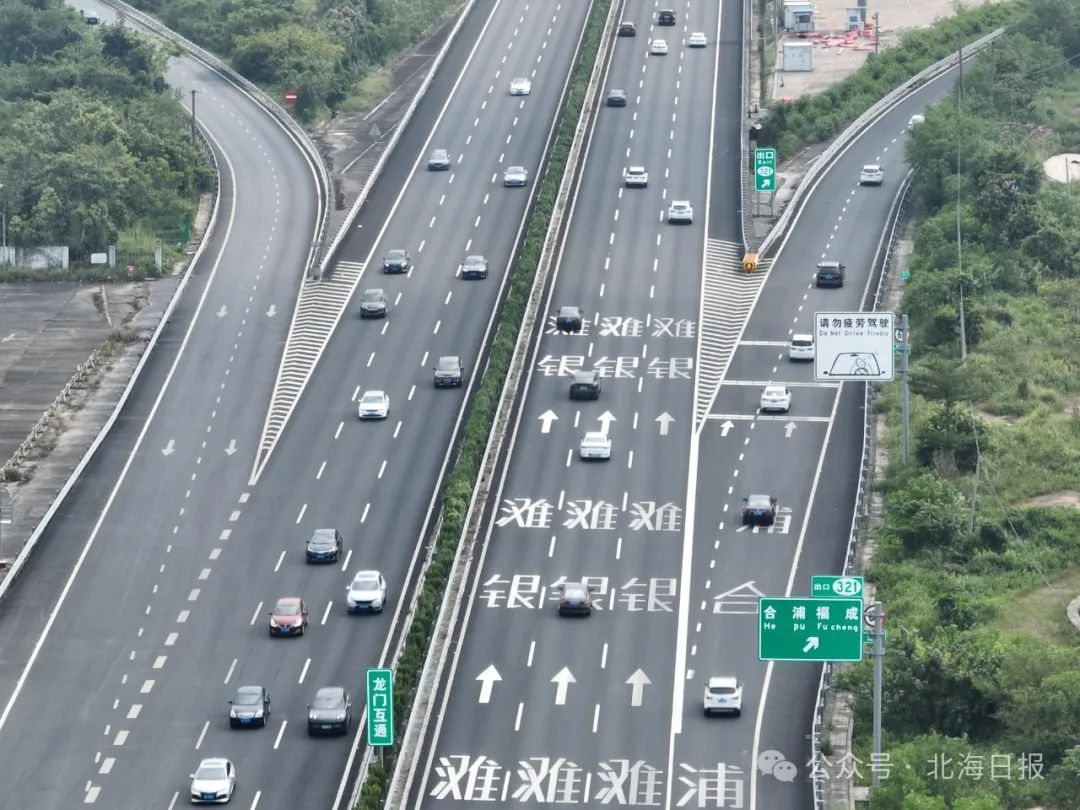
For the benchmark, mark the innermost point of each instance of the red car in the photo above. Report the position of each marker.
(760, 510)
(289, 617)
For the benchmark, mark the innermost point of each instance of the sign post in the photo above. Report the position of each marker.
(380, 707)
(764, 170)
(803, 628)
(856, 346)
(831, 587)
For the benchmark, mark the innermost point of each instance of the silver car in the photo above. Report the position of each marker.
(373, 303)
(516, 176)
(636, 177)
(474, 267)
(595, 445)
(680, 211)
(213, 782)
(871, 175)
(439, 160)
(520, 86)
(367, 591)
(374, 405)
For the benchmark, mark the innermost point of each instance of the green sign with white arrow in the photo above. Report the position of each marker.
(764, 170)
(799, 628)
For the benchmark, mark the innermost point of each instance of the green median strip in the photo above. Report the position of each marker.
(466, 469)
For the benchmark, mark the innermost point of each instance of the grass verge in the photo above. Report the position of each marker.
(466, 468)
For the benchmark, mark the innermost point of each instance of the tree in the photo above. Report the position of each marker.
(1045, 717)
(1063, 782)
(927, 512)
(932, 772)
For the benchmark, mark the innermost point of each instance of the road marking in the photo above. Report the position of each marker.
(255, 615)
(303, 672)
(348, 556)
(204, 574)
(202, 734)
(91, 794)
(301, 515)
(326, 613)
(229, 674)
(147, 685)
(133, 712)
(603, 657)
(193, 595)
(107, 766)
(761, 417)
(280, 559)
(596, 718)
(281, 732)
(159, 662)
(170, 639)
(322, 467)
(255, 800)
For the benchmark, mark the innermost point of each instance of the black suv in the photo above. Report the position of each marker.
(568, 320)
(449, 373)
(665, 17)
(396, 261)
(585, 385)
(627, 29)
(324, 546)
(830, 274)
(616, 98)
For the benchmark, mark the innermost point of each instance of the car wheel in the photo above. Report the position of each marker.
(233, 724)
(737, 712)
(708, 713)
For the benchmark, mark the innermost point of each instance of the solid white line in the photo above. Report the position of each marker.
(790, 587)
(130, 459)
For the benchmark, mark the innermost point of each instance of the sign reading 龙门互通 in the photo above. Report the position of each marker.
(854, 346)
(380, 707)
(800, 628)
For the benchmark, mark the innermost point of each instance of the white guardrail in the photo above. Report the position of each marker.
(744, 132)
(866, 468)
(826, 158)
(291, 126)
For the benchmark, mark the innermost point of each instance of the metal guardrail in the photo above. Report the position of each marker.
(861, 508)
(297, 132)
(826, 158)
(744, 132)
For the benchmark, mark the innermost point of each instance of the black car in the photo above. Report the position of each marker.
(373, 304)
(627, 29)
(760, 510)
(830, 274)
(330, 712)
(324, 546)
(568, 320)
(250, 707)
(474, 267)
(449, 373)
(585, 385)
(575, 599)
(665, 17)
(616, 98)
(396, 261)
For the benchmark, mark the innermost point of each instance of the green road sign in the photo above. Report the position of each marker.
(764, 170)
(832, 587)
(803, 628)
(905, 275)
(380, 707)
(869, 639)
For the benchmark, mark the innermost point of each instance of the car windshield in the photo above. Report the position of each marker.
(721, 690)
(373, 295)
(802, 342)
(365, 584)
(288, 608)
(448, 364)
(395, 255)
(574, 592)
(476, 260)
(759, 501)
(372, 398)
(774, 392)
(326, 702)
(214, 771)
(246, 699)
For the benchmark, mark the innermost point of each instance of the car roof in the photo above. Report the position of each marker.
(572, 586)
(723, 680)
(396, 252)
(775, 387)
(289, 600)
(680, 203)
(438, 152)
(829, 263)
(596, 435)
(568, 310)
(872, 167)
(616, 92)
(636, 169)
(374, 291)
(802, 336)
(211, 761)
(586, 376)
(449, 358)
(374, 394)
(515, 168)
(324, 533)
(758, 496)
(366, 573)
(331, 691)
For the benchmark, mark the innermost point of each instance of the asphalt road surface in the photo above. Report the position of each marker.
(165, 614)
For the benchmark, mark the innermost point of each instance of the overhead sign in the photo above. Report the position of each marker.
(831, 587)
(854, 346)
(807, 629)
(764, 170)
(380, 707)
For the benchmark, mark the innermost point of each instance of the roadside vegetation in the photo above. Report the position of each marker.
(979, 550)
(465, 470)
(94, 149)
(791, 126)
(322, 49)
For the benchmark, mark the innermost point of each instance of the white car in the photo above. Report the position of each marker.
(213, 782)
(915, 120)
(680, 211)
(658, 47)
(635, 177)
(374, 405)
(515, 176)
(697, 40)
(520, 87)
(723, 693)
(776, 398)
(595, 444)
(801, 347)
(871, 175)
(367, 591)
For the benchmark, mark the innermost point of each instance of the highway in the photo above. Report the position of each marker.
(134, 656)
(545, 710)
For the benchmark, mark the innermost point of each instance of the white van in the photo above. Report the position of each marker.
(90, 17)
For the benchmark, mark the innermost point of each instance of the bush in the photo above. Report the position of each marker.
(927, 513)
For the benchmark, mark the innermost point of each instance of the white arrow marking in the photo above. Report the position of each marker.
(563, 678)
(221, 313)
(231, 448)
(169, 449)
(665, 419)
(789, 428)
(270, 313)
(638, 681)
(606, 418)
(9, 337)
(546, 418)
(726, 426)
(812, 643)
(487, 680)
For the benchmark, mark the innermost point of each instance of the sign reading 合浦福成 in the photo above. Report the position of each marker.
(380, 707)
(854, 346)
(803, 628)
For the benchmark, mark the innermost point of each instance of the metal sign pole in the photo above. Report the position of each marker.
(905, 405)
(879, 655)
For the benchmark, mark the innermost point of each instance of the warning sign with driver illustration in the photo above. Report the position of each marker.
(854, 346)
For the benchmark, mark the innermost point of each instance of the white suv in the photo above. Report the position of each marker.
(801, 347)
(723, 693)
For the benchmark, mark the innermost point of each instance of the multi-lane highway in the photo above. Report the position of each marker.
(545, 710)
(123, 689)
